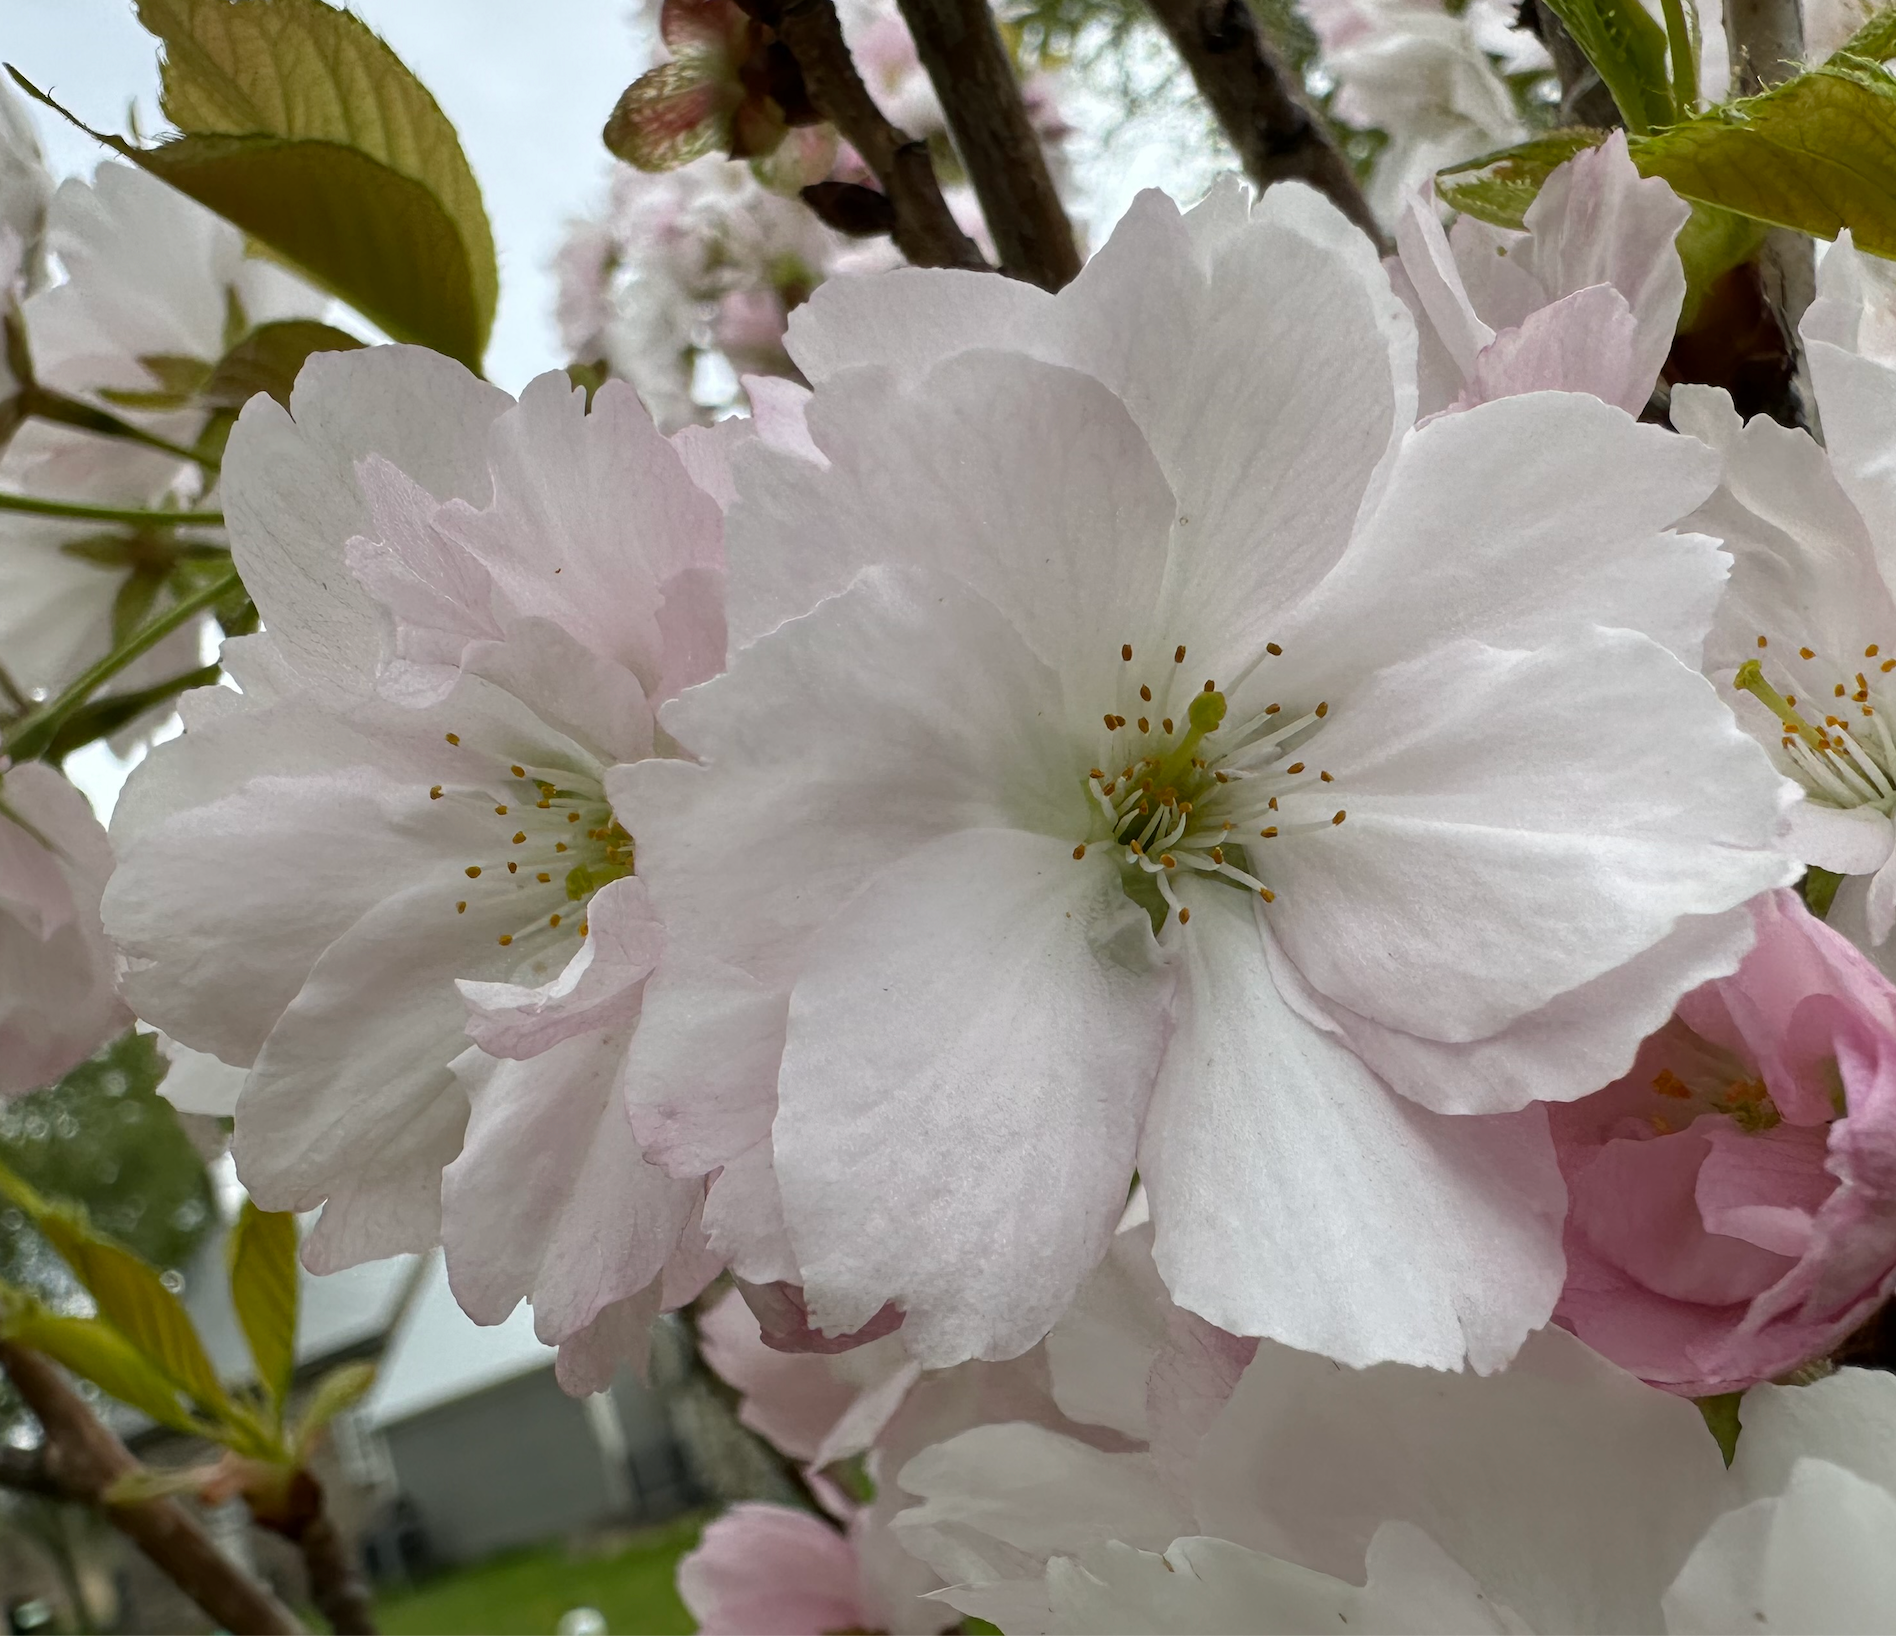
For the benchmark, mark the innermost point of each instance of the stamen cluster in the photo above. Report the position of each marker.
(1193, 800)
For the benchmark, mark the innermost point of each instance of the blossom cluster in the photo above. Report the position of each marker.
(1190, 887)
(683, 284)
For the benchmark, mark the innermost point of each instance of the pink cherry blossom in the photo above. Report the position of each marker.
(765, 1570)
(1585, 300)
(1733, 1198)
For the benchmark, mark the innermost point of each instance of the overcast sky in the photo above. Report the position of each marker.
(528, 83)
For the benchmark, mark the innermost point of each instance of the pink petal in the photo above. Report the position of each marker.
(763, 1570)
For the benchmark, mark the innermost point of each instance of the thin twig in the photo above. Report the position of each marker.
(961, 48)
(84, 1458)
(28, 739)
(56, 406)
(1276, 136)
(33, 506)
(925, 229)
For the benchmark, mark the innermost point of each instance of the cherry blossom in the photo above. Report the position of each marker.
(1585, 300)
(1733, 1198)
(1193, 785)
(57, 1003)
(1426, 76)
(1805, 639)
(395, 835)
(1266, 1489)
(156, 290)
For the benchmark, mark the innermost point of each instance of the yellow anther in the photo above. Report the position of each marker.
(434, 792)
(543, 877)
(1125, 651)
(1178, 658)
(1805, 653)
(1294, 768)
(1267, 894)
(1272, 649)
(1339, 817)
(1269, 834)
(519, 836)
(1183, 916)
(453, 738)
(500, 811)
(473, 871)
(461, 907)
(518, 772)
(552, 920)
(505, 939)
(1080, 850)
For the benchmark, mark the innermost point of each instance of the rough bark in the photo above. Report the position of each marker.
(84, 1458)
(925, 230)
(1277, 138)
(961, 48)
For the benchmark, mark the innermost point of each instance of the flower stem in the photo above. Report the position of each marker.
(56, 406)
(33, 506)
(31, 737)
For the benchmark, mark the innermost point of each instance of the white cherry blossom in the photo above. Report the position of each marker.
(1804, 647)
(1155, 753)
(386, 843)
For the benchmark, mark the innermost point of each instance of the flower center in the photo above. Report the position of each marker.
(1181, 787)
(1837, 742)
(1701, 1078)
(556, 843)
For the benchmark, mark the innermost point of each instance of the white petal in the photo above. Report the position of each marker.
(999, 1500)
(1308, 1461)
(598, 989)
(1817, 1559)
(1569, 1048)
(903, 710)
(1066, 531)
(362, 1053)
(1101, 1352)
(1466, 530)
(961, 1089)
(290, 491)
(1490, 791)
(1848, 1418)
(1295, 1196)
(550, 1200)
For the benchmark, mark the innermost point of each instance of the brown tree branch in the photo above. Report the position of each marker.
(336, 1584)
(1276, 136)
(961, 48)
(84, 1458)
(925, 230)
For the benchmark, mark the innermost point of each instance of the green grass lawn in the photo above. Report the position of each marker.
(525, 1592)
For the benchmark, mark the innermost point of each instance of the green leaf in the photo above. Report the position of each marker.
(305, 130)
(269, 359)
(102, 717)
(334, 1393)
(99, 1353)
(178, 378)
(1874, 42)
(1498, 187)
(129, 1295)
(1629, 50)
(1817, 154)
(262, 1255)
